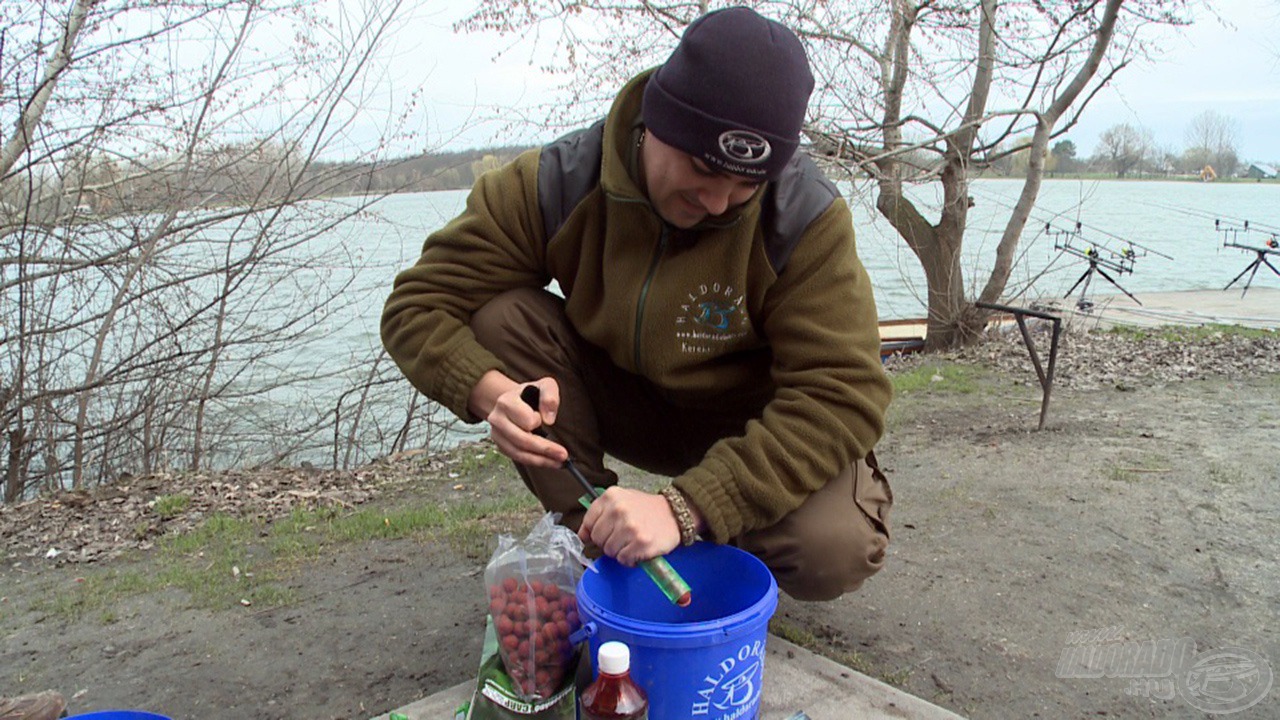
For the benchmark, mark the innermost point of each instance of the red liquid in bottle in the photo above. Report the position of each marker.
(614, 695)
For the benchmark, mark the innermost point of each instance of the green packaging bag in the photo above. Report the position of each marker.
(496, 697)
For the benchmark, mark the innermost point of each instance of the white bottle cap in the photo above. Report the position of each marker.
(615, 658)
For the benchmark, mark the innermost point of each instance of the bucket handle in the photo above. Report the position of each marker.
(587, 631)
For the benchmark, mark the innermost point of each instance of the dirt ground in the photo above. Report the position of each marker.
(1146, 510)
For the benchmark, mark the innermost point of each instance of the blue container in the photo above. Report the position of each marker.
(118, 715)
(702, 661)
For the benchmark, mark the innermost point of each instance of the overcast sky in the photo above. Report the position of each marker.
(1230, 65)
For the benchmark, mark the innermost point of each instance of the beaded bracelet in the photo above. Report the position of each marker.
(684, 518)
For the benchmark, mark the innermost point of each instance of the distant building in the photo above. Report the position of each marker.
(1259, 171)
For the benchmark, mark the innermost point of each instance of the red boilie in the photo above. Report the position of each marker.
(533, 622)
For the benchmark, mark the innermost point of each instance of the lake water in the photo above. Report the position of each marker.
(334, 398)
(1173, 219)
(1171, 225)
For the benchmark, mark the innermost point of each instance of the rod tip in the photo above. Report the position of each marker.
(685, 599)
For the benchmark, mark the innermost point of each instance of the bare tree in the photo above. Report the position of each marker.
(1213, 139)
(157, 258)
(909, 92)
(1123, 148)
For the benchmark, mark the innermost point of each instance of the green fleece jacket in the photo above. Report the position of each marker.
(724, 315)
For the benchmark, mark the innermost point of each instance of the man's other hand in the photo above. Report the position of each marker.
(512, 423)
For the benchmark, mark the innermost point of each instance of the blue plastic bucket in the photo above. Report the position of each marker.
(701, 661)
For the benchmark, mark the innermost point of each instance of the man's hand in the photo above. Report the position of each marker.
(511, 422)
(631, 525)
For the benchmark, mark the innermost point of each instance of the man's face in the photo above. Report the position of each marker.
(684, 190)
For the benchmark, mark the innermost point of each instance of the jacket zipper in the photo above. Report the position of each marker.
(644, 293)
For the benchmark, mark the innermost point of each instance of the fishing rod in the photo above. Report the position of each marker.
(1101, 256)
(1216, 217)
(1232, 232)
(1081, 225)
(1072, 242)
(1014, 290)
(1100, 259)
(1131, 245)
(1231, 228)
(1235, 233)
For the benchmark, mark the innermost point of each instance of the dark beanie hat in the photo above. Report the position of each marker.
(733, 93)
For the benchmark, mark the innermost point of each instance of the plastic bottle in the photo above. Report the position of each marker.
(614, 695)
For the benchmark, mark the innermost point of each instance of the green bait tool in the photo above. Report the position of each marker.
(658, 569)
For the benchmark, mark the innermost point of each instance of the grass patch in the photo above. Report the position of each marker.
(1220, 475)
(229, 561)
(421, 520)
(473, 460)
(470, 529)
(1140, 470)
(167, 506)
(222, 584)
(951, 378)
(793, 634)
(857, 661)
(220, 530)
(95, 593)
(1190, 333)
(263, 552)
(221, 564)
(376, 524)
(1229, 473)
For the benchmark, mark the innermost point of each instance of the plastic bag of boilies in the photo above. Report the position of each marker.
(529, 662)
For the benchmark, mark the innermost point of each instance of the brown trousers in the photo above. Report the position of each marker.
(827, 547)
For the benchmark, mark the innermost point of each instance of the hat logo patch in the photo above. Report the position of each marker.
(745, 146)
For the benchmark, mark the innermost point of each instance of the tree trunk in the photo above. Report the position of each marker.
(937, 247)
(13, 469)
(949, 321)
(1046, 121)
(20, 140)
(211, 370)
(145, 252)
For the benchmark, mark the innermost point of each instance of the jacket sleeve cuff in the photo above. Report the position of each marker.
(717, 499)
(462, 372)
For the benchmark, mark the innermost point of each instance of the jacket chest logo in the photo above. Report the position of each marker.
(710, 318)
